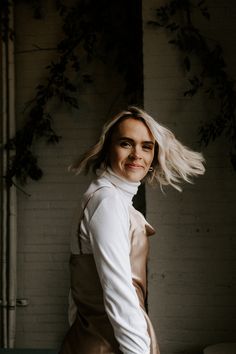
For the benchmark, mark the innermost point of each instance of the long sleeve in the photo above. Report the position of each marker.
(109, 236)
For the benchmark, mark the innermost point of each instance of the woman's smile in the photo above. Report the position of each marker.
(132, 165)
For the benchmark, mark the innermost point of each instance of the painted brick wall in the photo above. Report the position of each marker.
(45, 218)
(192, 262)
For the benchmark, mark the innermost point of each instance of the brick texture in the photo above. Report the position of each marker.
(45, 218)
(192, 262)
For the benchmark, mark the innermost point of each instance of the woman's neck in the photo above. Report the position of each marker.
(128, 188)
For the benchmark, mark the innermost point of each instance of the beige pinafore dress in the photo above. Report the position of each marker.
(92, 332)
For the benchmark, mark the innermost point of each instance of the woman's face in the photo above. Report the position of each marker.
(131, 150)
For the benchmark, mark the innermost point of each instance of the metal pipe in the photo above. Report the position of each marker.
(12, 199)
(4, 197)
(9, 202)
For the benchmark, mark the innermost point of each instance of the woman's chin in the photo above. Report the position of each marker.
(133, 176)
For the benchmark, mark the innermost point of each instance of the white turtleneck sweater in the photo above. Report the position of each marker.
(104, 231)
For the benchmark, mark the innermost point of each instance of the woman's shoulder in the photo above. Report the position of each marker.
(98, 193)
(99, 189)
(104, 193)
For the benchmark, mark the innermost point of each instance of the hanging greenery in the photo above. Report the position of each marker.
(112, 35)
(177, 18)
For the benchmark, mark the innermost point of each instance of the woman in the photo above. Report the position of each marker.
(109, 254)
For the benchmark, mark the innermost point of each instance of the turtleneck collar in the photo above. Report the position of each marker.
(128, 188)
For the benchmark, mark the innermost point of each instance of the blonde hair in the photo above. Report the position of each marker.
(173, 162)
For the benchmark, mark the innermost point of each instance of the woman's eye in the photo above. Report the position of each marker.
(125, 144)
(147, 147)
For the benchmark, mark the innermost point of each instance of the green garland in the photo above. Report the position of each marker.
(91, 31)
(177, 18)
(87, 34)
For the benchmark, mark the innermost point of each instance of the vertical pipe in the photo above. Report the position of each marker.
(12, 201)
(4, 196)
(8, 205)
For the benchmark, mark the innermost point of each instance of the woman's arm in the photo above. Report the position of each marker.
(109, 235)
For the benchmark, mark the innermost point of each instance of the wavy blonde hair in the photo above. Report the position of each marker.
(172, 163)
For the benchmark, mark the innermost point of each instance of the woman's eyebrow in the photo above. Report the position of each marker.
(125, 138)
(149, 142)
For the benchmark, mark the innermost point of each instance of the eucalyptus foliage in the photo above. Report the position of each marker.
(176, 17)
(102, 30)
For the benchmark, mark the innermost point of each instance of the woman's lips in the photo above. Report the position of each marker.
(133, 165)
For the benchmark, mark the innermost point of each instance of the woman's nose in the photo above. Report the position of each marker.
(135, 153)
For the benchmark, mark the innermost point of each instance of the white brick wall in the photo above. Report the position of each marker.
(45, 218)
(192, 262)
